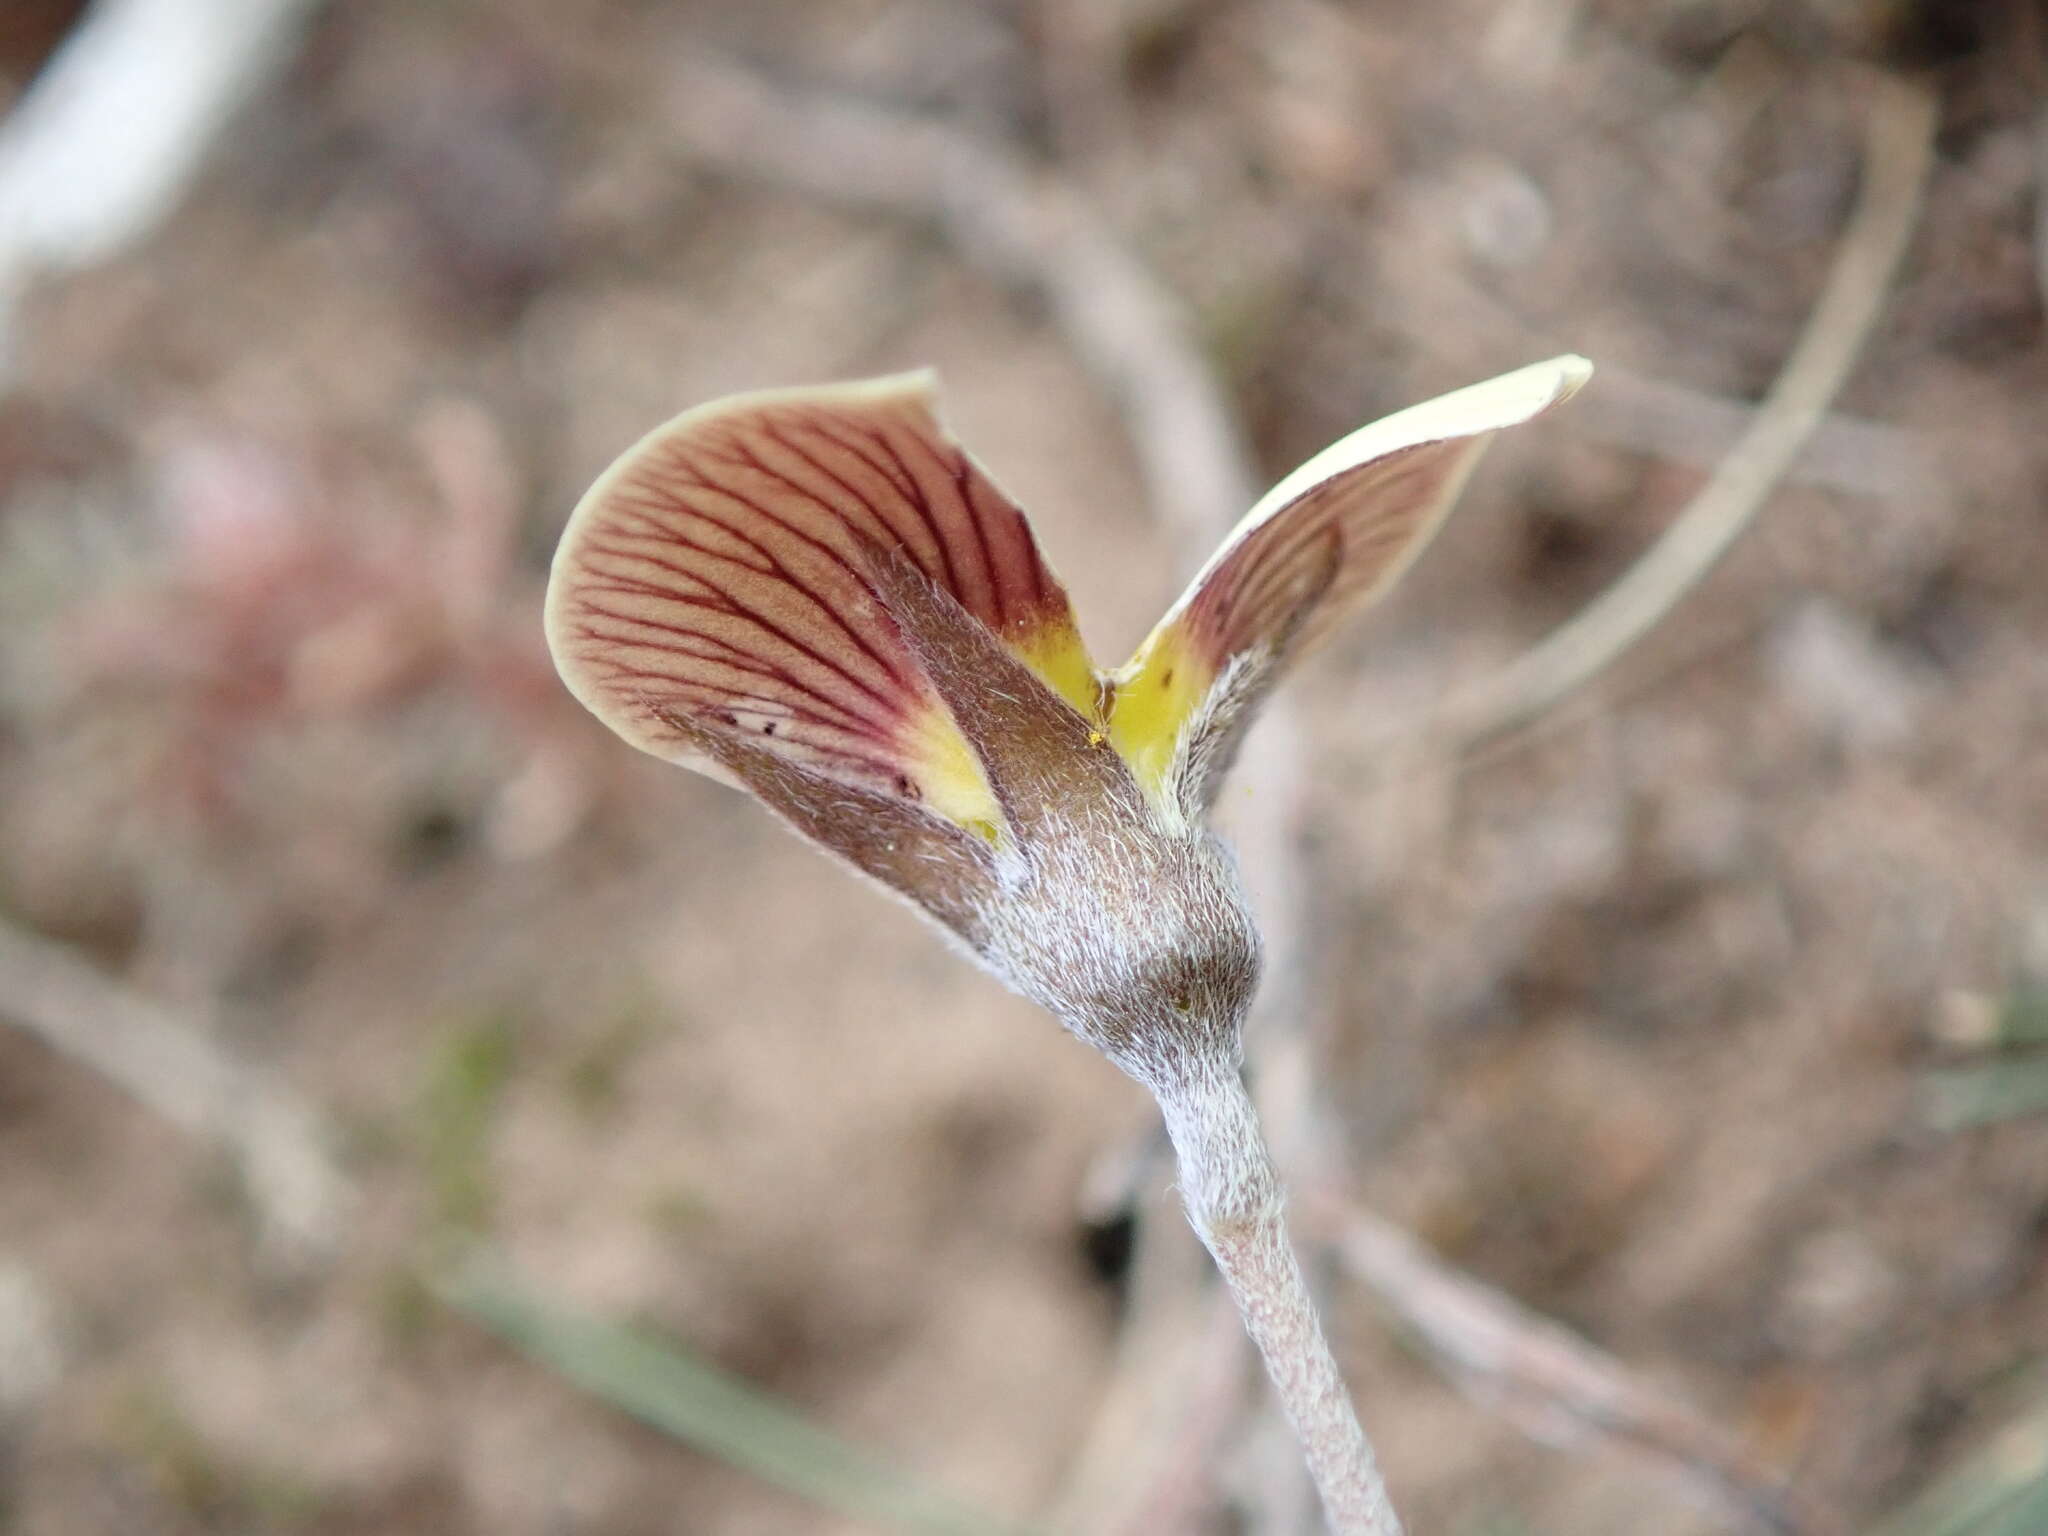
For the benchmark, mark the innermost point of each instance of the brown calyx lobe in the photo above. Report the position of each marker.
(1131, 928)
(1042, 758)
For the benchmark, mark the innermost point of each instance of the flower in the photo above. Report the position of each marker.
(818, 596)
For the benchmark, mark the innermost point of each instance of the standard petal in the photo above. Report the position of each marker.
(716, 574)
(1327, 540)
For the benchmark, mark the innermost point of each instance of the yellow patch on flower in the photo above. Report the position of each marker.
(1153, 698)
(1054, 651)
(949, 776)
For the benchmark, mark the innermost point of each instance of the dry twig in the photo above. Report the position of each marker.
(172, 1067)
(1167, 1399)
(2041, 206)
(1018, 224)
(1900, 150)
(1690, 426)
(1555, 1384)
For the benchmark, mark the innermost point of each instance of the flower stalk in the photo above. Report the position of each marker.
(1236, 1205)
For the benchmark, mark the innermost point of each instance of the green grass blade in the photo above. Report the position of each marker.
(1996, 1090)
(2000, 1490)
(719, 1415)
(2023, 1017)
(2026, 1515)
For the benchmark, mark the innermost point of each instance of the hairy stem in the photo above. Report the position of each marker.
(1235, 1203)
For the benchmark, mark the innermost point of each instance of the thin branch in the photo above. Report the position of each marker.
(1899, 151)
(1017, 223)
(1691, 426)
(2041, 207)
(1142, 1465)
(1556, 1385)
(171, 1066)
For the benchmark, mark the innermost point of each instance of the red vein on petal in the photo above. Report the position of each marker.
(973, 492)
(1020, 588)
(821, 423)
(876, 510)
(919, 501)
(954, 468)
(764, 668)
(1036, 605)
(776, 566)
(748, 614)
(736, 660)
(873, 507)
(1248, 590)
(679, 534)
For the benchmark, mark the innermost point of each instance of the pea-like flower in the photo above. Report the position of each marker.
(818, 596)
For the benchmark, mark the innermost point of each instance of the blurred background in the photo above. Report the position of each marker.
(337, 944)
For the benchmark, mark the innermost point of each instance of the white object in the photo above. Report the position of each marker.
(110, 134)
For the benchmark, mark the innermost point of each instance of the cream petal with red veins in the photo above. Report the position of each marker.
(717, 574)
(1322, 544)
